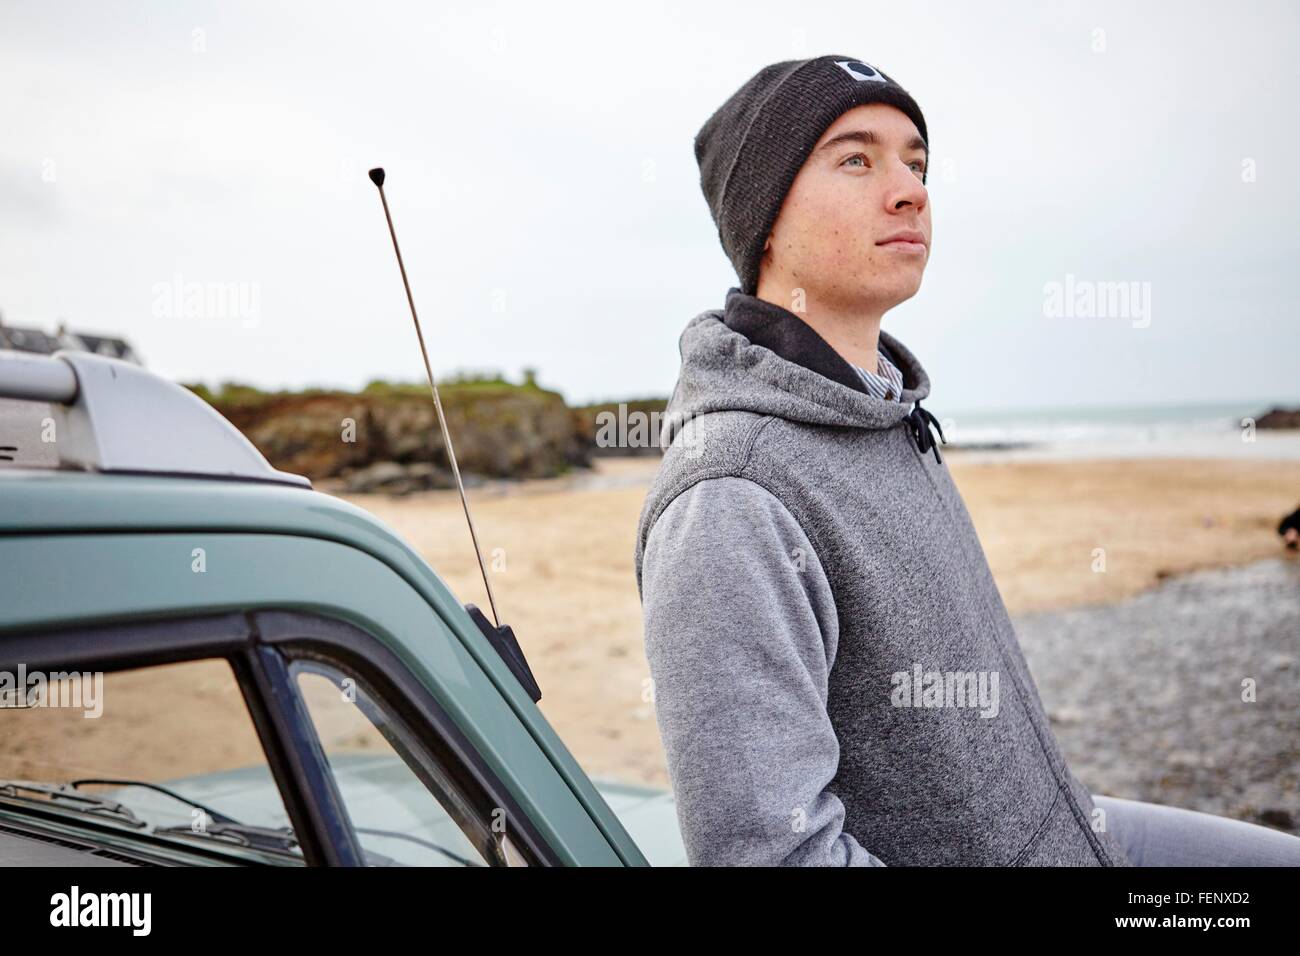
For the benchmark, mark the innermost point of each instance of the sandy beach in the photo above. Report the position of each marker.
(569, 589)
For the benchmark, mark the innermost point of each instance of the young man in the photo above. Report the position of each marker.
(837, 681)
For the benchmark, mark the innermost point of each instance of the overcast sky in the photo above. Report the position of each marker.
(544, 186)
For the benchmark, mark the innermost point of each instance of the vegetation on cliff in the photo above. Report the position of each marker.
(386, 437)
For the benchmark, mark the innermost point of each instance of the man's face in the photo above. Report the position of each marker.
(838, 233)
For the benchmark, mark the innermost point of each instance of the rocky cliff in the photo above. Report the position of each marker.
(386, 437)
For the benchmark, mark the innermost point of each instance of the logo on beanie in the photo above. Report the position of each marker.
(861, 71)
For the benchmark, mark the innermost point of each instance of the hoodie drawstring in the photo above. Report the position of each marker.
(920, 420)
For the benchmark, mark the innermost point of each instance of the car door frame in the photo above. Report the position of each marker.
(258, 646)
(290, 635)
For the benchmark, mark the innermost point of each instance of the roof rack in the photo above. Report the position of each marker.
(114, 416)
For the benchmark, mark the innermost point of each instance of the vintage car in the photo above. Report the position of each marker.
(205, 662)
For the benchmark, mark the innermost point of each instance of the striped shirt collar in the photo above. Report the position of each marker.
(885, 384)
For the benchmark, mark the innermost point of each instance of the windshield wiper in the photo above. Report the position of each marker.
(223, 827)
(275, 840)
(216, 815)
(65, 796)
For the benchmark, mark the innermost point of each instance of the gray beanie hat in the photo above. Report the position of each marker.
(752, 148)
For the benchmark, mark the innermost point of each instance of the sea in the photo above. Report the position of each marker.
(1208, 430)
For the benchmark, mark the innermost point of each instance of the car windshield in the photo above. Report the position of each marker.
(166, 754)
(169, 755)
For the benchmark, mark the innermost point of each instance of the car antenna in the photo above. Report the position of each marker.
(377, 177)
(500, 636)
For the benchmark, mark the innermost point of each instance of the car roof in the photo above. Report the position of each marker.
(34, 501)
(113, 416)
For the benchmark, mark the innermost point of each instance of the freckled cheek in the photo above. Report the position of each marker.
(834, 227)
(856, 248)
(832, 230)
(850, 248)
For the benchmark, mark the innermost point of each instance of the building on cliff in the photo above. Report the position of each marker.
(37, 341)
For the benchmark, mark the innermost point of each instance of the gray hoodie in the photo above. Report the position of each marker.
(836, 679)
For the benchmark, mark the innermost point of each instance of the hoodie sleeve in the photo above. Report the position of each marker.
(740, 632)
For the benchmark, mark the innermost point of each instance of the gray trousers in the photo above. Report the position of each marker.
(1155, 835)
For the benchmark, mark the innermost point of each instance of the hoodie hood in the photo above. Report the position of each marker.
(756, 356)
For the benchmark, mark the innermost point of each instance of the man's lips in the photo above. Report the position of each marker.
(907, 241)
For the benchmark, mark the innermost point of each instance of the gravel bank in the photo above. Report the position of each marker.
(1146, 695)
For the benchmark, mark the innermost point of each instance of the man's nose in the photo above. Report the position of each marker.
(906, 190)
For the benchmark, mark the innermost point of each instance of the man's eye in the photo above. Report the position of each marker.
(918, 165)
(858, 156)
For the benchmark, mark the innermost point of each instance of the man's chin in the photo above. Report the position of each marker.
(888, 295)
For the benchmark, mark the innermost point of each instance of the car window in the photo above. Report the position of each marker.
(174, 745)
(401, 800)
